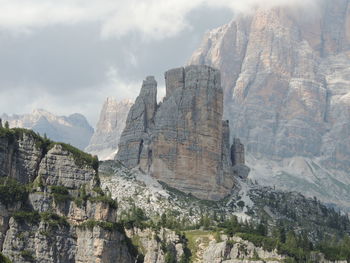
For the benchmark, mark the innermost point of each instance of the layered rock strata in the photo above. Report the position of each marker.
(52, 208)
(105, 140)
(183, 140)
(285, 74)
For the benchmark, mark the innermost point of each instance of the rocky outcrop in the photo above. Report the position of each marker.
(285, 74)
(73, 129)
(237, 250)
(105, 140)
(182, 141)
(52, 208)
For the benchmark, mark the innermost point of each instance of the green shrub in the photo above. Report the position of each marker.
(31, 217)
(12, 192)
(104, 199)
(54, 220)
(4, 259)
(81, 158)
(27, 255)
(60, 193)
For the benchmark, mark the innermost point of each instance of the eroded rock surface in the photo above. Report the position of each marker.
(183, 140)
(61, 214)
(285, 74)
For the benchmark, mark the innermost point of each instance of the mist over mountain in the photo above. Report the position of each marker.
(74, 129)
(286, 77)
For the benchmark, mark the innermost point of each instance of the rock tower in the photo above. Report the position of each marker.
(183, 140)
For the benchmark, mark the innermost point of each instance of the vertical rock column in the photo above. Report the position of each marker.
(140, 120)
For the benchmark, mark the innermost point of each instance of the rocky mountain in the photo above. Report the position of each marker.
(105, 140)
(285, 73)
(183, 141)
(73, 129)
(58, 204)
(51, 205)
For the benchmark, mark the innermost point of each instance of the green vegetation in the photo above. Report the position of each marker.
(60, 193)
(44, 144)
(81, 158)
(32, 217)
(27, 255)
(12, 192)
(104, 199)
(4, 259)
(54, 220)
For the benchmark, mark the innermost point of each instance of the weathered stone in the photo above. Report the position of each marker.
(285, 74)
(58, 167)
(19, 159)
(104, 142)
(184, 142)
(140, 119)
(51, 232)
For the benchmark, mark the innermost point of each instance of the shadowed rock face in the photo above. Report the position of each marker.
(183, 141)
(285, 74)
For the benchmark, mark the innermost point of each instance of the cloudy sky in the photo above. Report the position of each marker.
(67, 56)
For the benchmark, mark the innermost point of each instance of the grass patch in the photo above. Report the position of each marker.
(81, 158)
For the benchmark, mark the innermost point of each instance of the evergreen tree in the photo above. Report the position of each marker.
(7, 126)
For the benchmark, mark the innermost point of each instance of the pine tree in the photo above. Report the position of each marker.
(7, 126)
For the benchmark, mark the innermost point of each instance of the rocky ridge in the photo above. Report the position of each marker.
(51, 206)
(285, 74)
(105, 140)
(57, 205)
(73, 129)
(183, 140)
(135, 189)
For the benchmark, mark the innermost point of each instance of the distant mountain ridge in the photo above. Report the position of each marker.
(73, 129)
(286, 78)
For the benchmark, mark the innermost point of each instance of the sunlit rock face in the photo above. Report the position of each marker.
(104, 142)
(286, 79)
(183, 140)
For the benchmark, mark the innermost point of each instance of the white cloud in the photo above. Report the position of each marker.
(152, 18)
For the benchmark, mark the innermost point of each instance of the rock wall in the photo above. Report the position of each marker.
(285, 74)
(105, 140)
(183, 140)
(57, 211)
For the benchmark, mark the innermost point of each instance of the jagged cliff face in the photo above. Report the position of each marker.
(60, 215)
(105, 140)
(73, 129)
(183, 141)
(285, 74)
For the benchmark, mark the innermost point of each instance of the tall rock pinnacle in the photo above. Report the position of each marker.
(183, 141)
